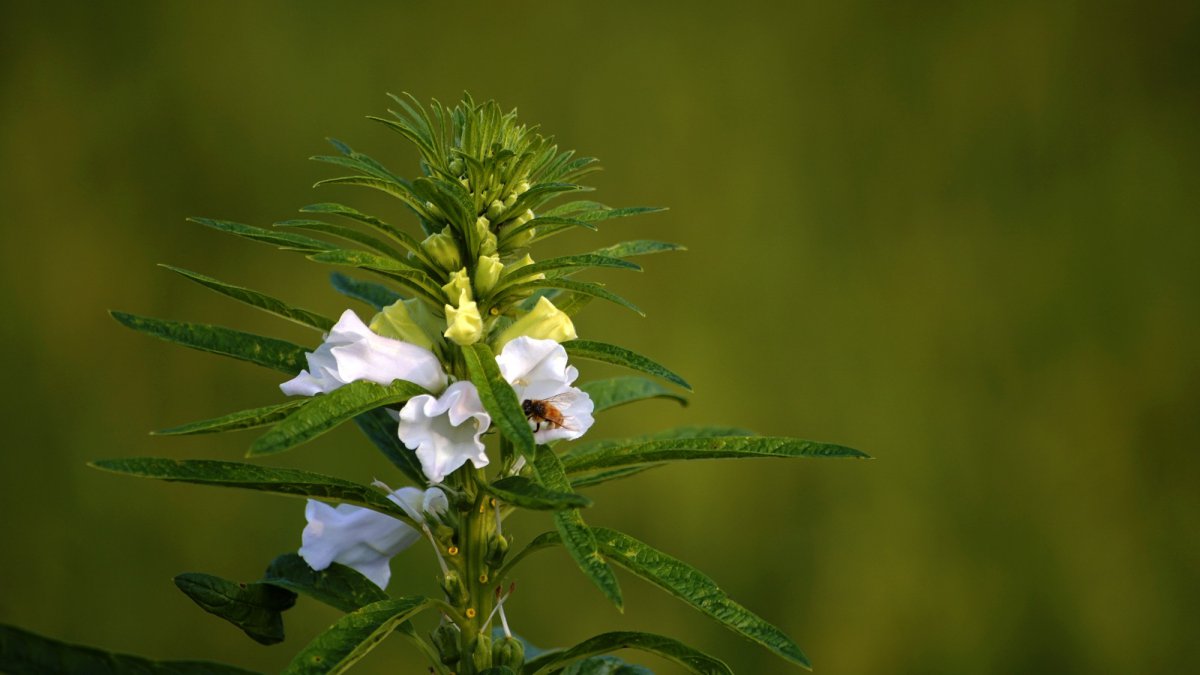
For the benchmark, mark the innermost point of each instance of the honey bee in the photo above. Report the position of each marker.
(545, 411)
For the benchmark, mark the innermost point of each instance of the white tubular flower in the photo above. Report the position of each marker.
(538, 371)
(363, 539)
(352, 352)
(445, 431)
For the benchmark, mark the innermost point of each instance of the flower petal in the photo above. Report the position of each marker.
(445, 431)
(351, 535)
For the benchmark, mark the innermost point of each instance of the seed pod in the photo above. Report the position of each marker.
(481, 654)
(509, 652)
(445, 638)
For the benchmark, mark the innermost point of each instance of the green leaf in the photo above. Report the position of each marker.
(243, 419)
(628, 249)
(338, 586)
(599, 477)
(520, 491)
(606, 394)
(498, 397)
(285, 240)
(382, 430)
(575, 534)
(727, 447)
(704, 431)
(264, 351)
(499, 670)
(290, 482)
(606, 353)
(583, 287)
(26, 653)
(595, 211)
(255, 608)
(402, 272)
(375, 295)
(572, 262)
(326, 411)
(259, 300)
(400, 236)
(674, 650)
(352, 636)
(343, 232)
(684, 582)
(544, 223)
(604, 665)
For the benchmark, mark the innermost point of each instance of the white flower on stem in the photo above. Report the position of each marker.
(445, 431)
(363, 539)
(539, 373)
(352, 352)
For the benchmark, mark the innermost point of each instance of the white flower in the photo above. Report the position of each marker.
(538, 371)
(364, 539)
(352, 352)
(445, 430)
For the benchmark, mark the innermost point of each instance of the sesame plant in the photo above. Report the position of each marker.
(462, 364)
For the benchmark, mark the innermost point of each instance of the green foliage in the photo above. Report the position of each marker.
(375, 295)
(581, 287)
(606, 353)
(722, 447)
(575, 535)
(290, 482)
(676, 651)
(377, 426)
(522, 492)
(353, 635)
(26, 653)
(619, 391)
(284, 240)
(324, 412)
(243, 419)
(259, 300)
(337, 585)
(498, 397)
(256, 608)
(269, 352)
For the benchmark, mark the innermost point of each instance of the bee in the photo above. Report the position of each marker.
(545, 411)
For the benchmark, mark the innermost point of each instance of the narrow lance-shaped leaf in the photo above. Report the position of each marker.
(729, 447)
(582, 287)
(593, 479)
(243, 419)
(401, 237)
(690, 431)
(669, 648)
(606, 394)
(629, 249)
(571, 263)
(342, 232)
(26, 653)
(375, 295)
(684, 582)
(326, 411)
(256, 608)
(604, 665)
(498, 397)
(289, 482)
(576, 536)
(606, 353)
(382, 430)
(285, 240)
(402, 272)
(520, 491)
(338, 586)
(260, 300)
(264, 351)
(354, 635)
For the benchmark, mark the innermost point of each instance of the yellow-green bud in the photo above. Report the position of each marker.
(487, 238)
(511, 269)
(522, 188)
(445, 638)
(459, 283)
(510, 200)
(508, 652)
(497, 550)
(395, 322)
(495, 210)
(543, 322)
(456, 166)
(454, 588)
(481, 653)
(487, 273)
(464, 326)
(443, 250)
(524, 237)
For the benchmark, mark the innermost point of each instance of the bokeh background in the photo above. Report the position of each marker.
(961, 237)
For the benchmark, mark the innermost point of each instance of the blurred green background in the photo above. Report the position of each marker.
(961, 237)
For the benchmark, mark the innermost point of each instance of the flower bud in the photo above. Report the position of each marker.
(495, 210)
(543, 322)
(487, 273)
(397, 323)
(523, 238)
(522, 188)
(454, 588)
(464, 326)
(481, 653)
(443, 250)
(497, 550)
(445, 638)
(508, 652)
(456, 166)
(487, 238)
(459, 284)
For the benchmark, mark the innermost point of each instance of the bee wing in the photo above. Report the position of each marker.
(565, 398)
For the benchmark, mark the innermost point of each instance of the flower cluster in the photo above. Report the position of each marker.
(444, 428)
